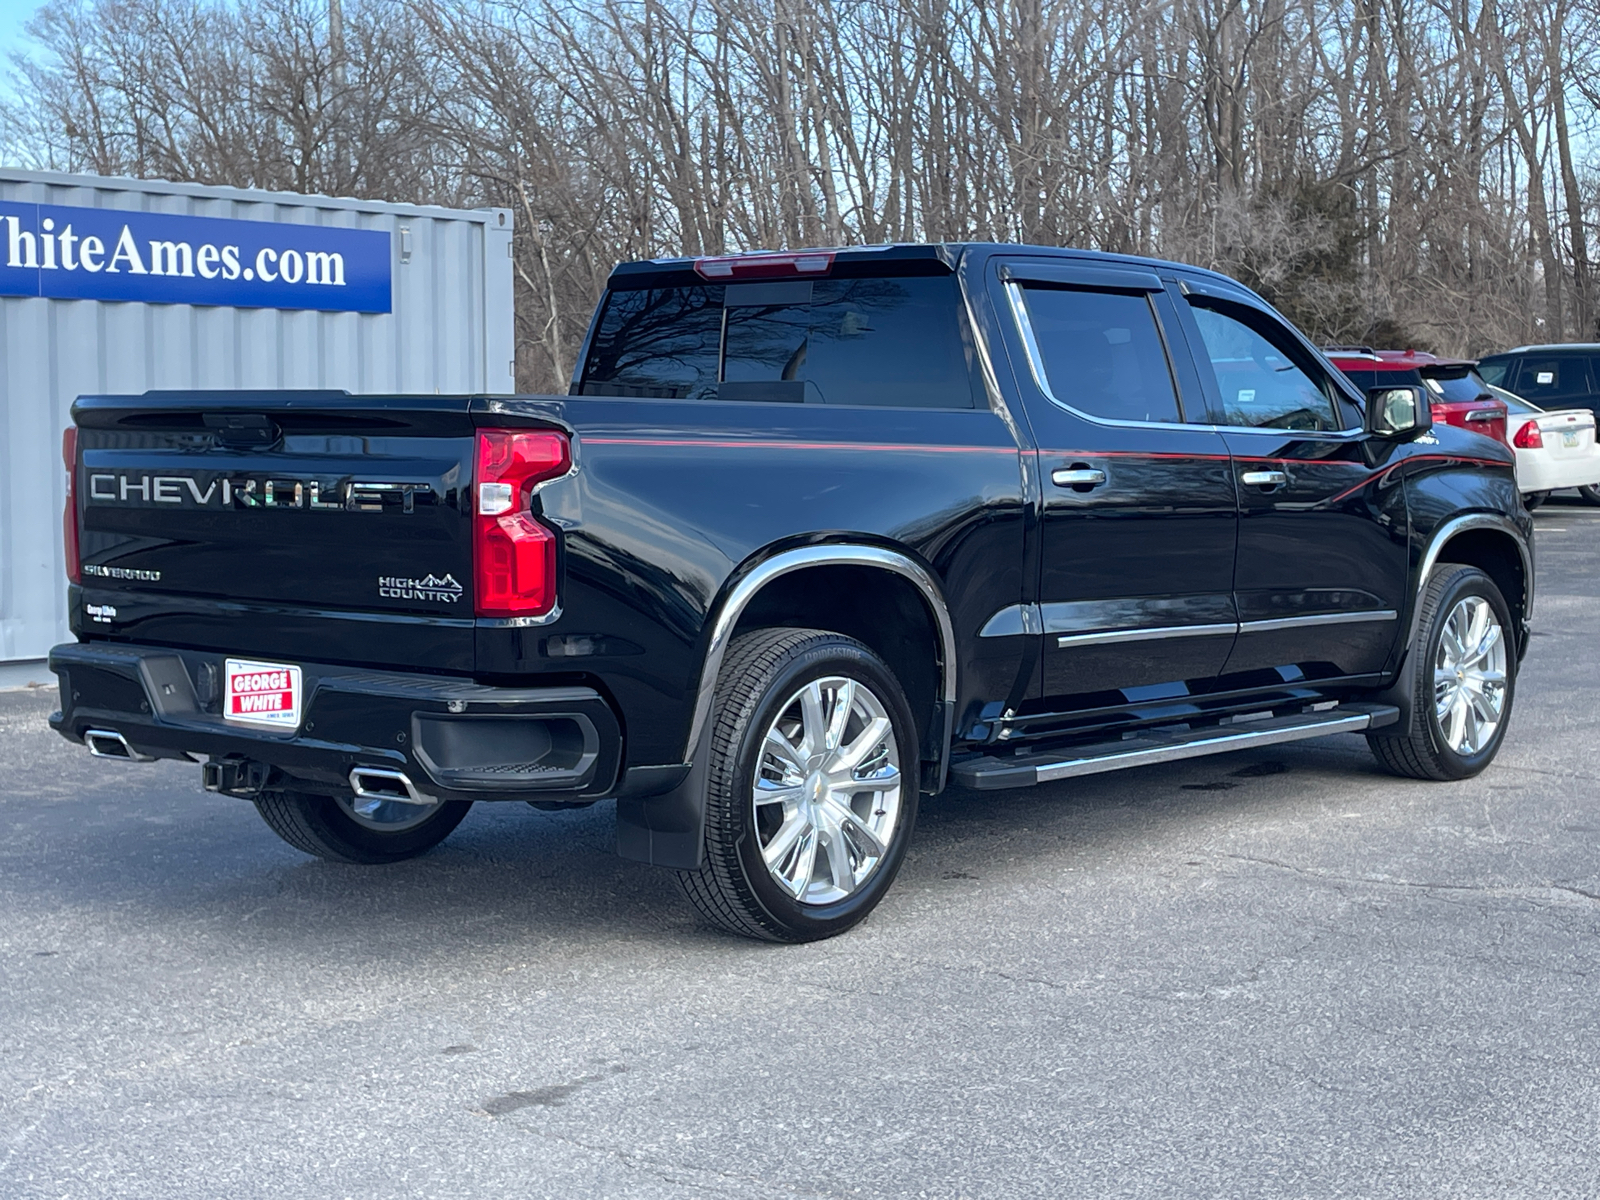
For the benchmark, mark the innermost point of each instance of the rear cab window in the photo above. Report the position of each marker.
(888, 341)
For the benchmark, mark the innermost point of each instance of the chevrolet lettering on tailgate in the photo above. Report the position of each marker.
(106, 487)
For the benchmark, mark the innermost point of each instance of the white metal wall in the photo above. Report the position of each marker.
(451, 330)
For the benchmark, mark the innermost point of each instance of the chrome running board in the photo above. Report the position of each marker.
(1144, 749)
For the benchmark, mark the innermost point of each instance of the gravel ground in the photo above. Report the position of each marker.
(1276, 973)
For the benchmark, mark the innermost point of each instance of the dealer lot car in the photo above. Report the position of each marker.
(1552, 377)
(811, 535)
(1555, 450)
(1458, 394)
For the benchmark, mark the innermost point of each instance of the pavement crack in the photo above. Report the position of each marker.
(1562, 887)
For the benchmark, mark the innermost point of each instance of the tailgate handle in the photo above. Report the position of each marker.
(241, 430)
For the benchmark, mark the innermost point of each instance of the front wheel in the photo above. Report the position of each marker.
(811, 789)
(1460, 680)
(352, 830)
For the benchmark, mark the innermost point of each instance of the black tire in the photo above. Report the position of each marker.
(1590, 493)
(733, 889)
(1532, 500)
(317, 825)
(1419, 750)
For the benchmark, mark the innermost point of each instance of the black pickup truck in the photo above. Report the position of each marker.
(811, 535)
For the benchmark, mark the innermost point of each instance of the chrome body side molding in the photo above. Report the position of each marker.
(1019, 619)
(1014, 620)
(1107, 636)
(1333, 618)
(789, 561)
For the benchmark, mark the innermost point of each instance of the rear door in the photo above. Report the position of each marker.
(1323, 529)
(286, 526)
(1139, 511)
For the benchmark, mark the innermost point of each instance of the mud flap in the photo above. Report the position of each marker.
(665, 827)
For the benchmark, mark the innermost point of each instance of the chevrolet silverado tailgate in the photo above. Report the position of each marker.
(279, 525)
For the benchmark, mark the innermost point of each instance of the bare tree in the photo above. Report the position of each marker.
(1405, 171)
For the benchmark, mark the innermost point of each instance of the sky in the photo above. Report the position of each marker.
(14, 15)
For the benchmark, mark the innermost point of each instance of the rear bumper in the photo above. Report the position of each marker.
(453, 738)
(1540, 472)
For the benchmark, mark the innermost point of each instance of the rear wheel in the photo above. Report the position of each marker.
(1590, 493)
(1460, 681)
(351, 830)
(812, 787)
(1532, 500)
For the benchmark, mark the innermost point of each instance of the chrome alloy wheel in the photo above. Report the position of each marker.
(827, 790)
(385, 816)
(1469, 676)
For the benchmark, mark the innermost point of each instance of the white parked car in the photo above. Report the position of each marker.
(1554, 449)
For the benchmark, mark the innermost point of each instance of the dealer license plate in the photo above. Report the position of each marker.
(261, 693)
(1569, 439)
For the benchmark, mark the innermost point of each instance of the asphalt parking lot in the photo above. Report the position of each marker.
(1277, 973)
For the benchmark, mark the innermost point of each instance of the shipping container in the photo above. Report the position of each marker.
(126, 286)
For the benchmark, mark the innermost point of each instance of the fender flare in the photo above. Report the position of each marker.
(832, 554)
(1442, 536)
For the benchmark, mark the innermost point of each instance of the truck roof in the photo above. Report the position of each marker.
(820, 261)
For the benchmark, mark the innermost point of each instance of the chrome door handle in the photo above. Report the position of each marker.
(1264, 478)
(1077, 477)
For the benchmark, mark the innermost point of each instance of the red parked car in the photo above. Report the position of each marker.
(1460, 396)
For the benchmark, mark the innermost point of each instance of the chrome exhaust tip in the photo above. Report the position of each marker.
(382, 783)
(108, 743)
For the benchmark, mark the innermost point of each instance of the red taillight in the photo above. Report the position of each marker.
(69, 517)
(514, 556)
(1529, 437)
(764, 266)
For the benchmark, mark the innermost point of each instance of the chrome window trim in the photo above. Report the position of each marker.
(1019, 314)
(763, 573)
(1436, 545)
(1030, 345)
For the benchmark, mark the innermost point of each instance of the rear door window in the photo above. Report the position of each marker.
(1554, 377)
(896, 342)
(1102, 353)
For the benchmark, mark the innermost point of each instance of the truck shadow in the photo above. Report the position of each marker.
(144, 840)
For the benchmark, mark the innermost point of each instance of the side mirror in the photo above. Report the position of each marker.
(1398, 413)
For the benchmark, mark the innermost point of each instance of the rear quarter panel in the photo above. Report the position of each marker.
(669, 500)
